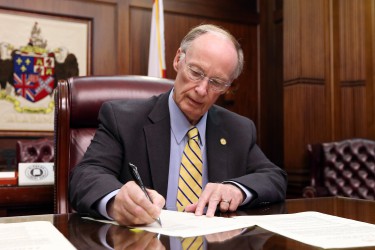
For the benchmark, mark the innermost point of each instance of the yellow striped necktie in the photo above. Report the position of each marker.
(190, 178)
(192, 243)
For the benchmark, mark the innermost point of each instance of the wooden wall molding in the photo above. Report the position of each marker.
(304, 81)
(353, 83)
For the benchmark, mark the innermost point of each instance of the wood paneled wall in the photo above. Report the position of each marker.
(329, 71)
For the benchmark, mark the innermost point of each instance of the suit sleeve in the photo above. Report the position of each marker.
(98, 172)
(263, 178)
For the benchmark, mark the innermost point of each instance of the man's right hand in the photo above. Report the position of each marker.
(131, 206)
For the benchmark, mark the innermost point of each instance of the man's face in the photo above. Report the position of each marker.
(215, 57)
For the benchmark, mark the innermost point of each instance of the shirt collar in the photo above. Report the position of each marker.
(180, 124)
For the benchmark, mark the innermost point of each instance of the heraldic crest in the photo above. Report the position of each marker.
(32, 72)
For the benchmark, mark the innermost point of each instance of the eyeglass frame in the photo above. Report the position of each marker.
(203, 76)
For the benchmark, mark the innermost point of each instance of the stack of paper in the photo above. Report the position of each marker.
(40, 235)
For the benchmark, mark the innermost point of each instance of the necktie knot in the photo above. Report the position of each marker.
(193, 133)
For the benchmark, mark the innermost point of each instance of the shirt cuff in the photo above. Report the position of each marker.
(103, 231)
(102, 205)
(248, 194)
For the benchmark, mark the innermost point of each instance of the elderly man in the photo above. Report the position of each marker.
(192, 155)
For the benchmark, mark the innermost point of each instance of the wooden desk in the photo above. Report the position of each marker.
(85, 234)
(26, 200)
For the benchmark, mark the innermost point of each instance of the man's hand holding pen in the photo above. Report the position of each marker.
(131, 207)
(138, 180)
(134, 205)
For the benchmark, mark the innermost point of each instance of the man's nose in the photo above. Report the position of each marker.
(203, 86)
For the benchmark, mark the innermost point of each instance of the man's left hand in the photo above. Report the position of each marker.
(227, 196)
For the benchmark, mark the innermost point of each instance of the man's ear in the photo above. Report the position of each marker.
(177, 59)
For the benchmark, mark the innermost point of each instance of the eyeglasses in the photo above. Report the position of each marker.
(196, 75)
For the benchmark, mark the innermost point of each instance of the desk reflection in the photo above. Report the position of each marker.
(123, 238)
(88, 234)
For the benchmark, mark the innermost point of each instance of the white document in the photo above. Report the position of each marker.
(318, 229)
(41, 235)
(312, 228)
(181, 224)
(189, 225)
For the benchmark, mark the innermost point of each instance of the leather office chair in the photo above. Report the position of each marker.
(77, 103)
(39, 150)
(343, 168)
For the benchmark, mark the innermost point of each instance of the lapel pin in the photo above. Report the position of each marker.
(223, 141)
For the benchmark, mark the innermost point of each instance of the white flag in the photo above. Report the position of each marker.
(156, 59)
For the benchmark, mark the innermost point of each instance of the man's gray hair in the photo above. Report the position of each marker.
(206, 28)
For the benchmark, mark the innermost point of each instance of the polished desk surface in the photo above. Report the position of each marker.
(87, 234)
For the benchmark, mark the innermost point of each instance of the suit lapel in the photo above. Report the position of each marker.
(158, 144)
(216, 144)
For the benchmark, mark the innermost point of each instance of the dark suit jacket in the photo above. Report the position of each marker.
(138, 131)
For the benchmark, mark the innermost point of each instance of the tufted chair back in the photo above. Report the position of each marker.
(38, 150)
(343, 168)
(77, 104)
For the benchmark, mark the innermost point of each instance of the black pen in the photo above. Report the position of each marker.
(138, 180)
